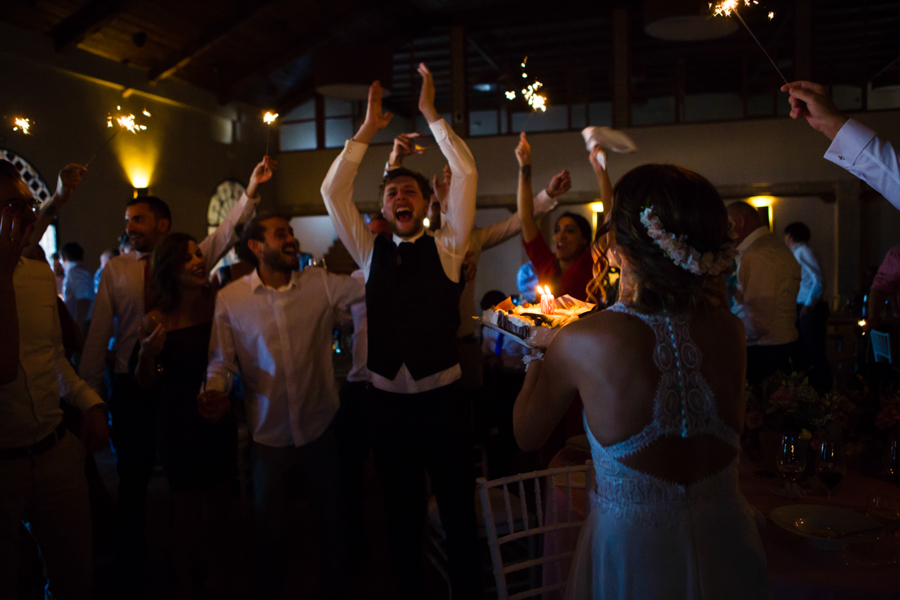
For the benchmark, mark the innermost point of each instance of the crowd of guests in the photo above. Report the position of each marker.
(163, 349)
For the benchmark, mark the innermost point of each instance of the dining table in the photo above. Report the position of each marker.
(799, 568)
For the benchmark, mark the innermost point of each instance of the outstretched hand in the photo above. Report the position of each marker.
(598, 159)
(69, 179)
(426, 96)
(811, 101)
(262, 172)
(404, 145)
(376, 119)
(523, 151)
(94, 430)
(559, 185)
(213, 405)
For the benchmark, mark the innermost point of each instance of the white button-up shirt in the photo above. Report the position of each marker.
(768, 281)
(78, 284)
(451, 239)
(359, 370)
(29, 406)
(121, 297)
(280, 340)
(857, 149)
(811, 280)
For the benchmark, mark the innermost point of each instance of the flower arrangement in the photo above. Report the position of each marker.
(889, 413)
(787, 403)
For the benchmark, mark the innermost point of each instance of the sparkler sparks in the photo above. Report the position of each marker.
(22, 124)
(269, 118)
(726, 8)
(535, 101)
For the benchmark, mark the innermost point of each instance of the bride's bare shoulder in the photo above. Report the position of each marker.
(601, 332)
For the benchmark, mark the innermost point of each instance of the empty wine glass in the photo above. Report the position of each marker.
(831, 465)
(792, 460)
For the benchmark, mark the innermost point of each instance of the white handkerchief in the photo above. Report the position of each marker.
(608, 139)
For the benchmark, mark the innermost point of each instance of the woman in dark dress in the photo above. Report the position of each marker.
(199, 455)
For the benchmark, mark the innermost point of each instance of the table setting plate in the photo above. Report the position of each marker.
(827, 527)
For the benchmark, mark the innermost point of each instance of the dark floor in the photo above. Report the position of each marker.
(371, 579)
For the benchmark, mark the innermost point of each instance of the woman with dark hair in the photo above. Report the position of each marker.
(661, 374)
(199, 456)
(566, 268)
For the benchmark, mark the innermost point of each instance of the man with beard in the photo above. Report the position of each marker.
(275, 325)
(412, 299)
(120, 305)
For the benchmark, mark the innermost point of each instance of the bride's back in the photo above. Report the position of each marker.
(617, 379)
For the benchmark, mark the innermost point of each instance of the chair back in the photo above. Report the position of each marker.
(881, 346)
(551, 491)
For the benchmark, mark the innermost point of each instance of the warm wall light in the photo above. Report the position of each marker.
(597, 207)
(761, 201)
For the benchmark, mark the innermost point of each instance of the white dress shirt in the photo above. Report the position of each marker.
(78, 284)
(120, 297)
(29, 406)
(360, 352)
(451, 239)
(811, 281)
(280, 340)
(768, 281)
(485, 238)
(857, 149)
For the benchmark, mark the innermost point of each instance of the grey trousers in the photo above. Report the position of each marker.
(50, 492)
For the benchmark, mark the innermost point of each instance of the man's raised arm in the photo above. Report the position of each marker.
(337, 189)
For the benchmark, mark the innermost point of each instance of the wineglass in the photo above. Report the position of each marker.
(792, 460)
(831, 465)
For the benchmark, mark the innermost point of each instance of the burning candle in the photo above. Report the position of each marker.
(548, 306)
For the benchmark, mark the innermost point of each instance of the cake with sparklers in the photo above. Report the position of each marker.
(535, 325)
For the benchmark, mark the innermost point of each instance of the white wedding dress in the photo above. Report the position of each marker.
(649, 538)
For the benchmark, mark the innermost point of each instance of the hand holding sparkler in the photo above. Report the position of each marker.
(812, 102)
(262, 173)
(376, 120)
(403, 146)
(523, 151)
(68, 180)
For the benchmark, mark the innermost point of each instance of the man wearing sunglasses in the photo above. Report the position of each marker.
(41, 465)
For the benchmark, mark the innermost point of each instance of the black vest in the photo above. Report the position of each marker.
(412, 310)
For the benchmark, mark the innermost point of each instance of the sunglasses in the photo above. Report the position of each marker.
(22, 204)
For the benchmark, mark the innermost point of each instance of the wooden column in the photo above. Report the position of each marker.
(458, 91)
(621, 106)
(848, 226)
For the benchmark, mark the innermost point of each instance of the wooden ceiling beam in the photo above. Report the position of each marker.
(87, 20)
(209, 38)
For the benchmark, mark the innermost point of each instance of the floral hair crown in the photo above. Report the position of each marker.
(686, 257)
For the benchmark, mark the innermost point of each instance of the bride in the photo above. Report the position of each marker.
(661, 374)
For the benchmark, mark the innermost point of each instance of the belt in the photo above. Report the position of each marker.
(36, 448)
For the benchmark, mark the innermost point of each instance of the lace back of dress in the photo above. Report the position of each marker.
(684, 404)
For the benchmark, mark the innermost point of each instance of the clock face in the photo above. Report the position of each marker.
(227, 194)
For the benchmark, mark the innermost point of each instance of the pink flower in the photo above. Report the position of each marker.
(782, 396)
(887, 417)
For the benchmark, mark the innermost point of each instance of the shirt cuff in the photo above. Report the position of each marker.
(439, 129)
(354, 151)
(849, 143)
(85, 398)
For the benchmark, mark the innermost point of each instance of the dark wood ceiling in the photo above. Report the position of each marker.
(262, 51)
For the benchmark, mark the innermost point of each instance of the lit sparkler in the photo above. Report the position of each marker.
(22, 124)
(726, 8)
(268, 119)
(125, 122)
(535, 101)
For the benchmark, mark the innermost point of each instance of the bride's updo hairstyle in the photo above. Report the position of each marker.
(686, 204)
